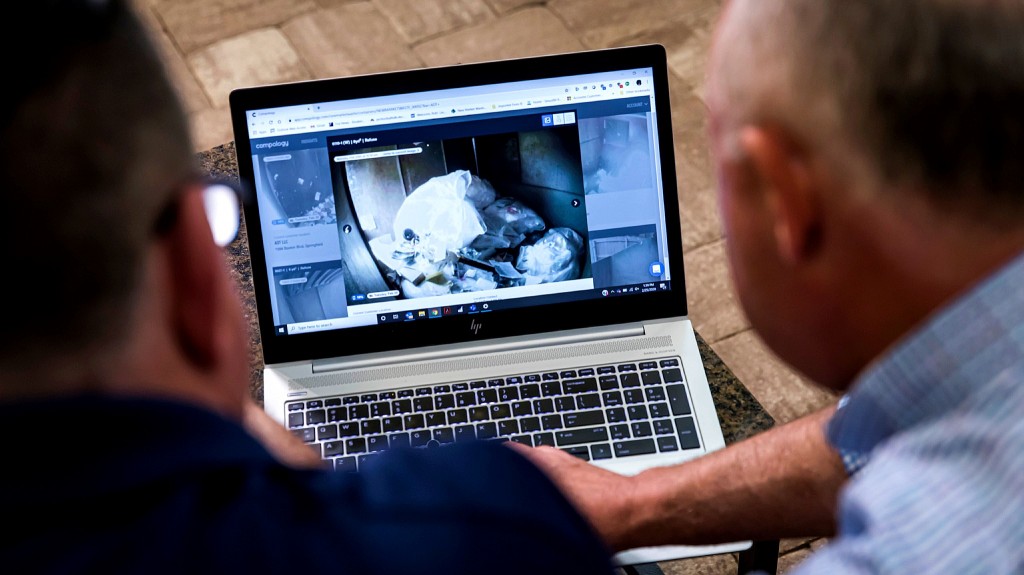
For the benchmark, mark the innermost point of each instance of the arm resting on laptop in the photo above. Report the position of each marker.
(781, 483)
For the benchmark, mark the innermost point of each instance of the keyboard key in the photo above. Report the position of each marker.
(633, 447)
(521, 408)
(423, 391)
(444, 435)
(633, 396)
(659, 409)
(465, 433)
(508, 393)
(544, 439)
(350, 400)
(296, 406)
(479, 413)
(565, 404)
(388, 396)
(529, 391)
(446, 401)
(533, 378)
(414, 421)
(524, 439)
(581, 451)
(670, 363)
(368, 397)
(588, 401)
(600, 451)
(332, 402)
(457, 416)
(627, 367)
(379, 409)
(500, 411)
(316, 417)
(296, 419)
(583, 418)
(650, 377)
(629, 380)
(508, 427)
(465, 399)
(399, 440)
(641, 429)
(350, 429)
(363, 460)
(375, 443)
(358, 411)
(543, 406)
(419, 438)
(479, 384)
(587, 372)
(605, 370)
(611, 398)
(551, 388)
(645, 365)
(422, 404)
(495, 382)
(616, 415)
(514, 380)
(677, 399)
(392, 424)
(306, 434)
(460, 387)
(568, 373)
(619, 432)
(549, 422)
(672, 375)
(326, 432)
(436, 418)
(487, 396)
(578, 436)
(370, 426)
(687, 433)
(345, 464)
(587, 385)
(314, 404)
(637, 412)
(442, 389)
(487, 430)
(667, 444)
(355, 445)
(405, 393)
(608, 382)
(529, 424)
(550, 376)
(401, 406)
(663, 427)
(336, 414)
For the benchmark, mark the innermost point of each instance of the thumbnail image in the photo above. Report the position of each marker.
(297, 184)
(624, 256)
(466, 214)
(616, 154)
(309, 292)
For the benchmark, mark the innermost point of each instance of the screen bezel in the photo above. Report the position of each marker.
(498, 324)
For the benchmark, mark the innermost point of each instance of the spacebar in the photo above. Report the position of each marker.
(578, 436)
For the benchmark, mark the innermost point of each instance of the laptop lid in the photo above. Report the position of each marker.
(461, 204)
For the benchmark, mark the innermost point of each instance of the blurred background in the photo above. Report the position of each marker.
(214, 46)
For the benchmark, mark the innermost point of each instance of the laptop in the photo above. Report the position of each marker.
(487, 251)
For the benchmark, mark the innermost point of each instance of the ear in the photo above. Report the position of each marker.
(197, 279)
(783, 169)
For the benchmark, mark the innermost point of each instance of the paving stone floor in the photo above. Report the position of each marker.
(213, 46)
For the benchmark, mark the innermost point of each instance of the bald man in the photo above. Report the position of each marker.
(870, 163)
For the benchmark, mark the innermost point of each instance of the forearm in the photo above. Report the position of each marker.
(782, 483)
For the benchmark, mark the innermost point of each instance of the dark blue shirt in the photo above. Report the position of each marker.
(142, 486)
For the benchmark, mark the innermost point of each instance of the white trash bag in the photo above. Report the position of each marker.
(553, 258)
(437, 218)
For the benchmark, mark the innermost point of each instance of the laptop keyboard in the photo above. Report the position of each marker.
(594, 413)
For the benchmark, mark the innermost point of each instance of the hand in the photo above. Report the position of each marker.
(606, 499)
(280, 442)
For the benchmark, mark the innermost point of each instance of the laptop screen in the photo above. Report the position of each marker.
(473, 201)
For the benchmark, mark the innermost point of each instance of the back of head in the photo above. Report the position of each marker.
(92, 143)
(917, 95)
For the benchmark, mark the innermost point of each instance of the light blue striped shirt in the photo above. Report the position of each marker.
(934, 433)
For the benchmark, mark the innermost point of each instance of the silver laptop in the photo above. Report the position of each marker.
(479, 252)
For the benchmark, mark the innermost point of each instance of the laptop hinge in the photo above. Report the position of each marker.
(321, 366)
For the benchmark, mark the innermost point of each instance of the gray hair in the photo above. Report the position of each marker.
(918, 94)
(92, 143)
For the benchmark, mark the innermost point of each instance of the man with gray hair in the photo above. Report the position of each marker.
(870, 158)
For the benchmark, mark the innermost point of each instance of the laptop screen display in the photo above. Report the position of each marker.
(416, 206)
